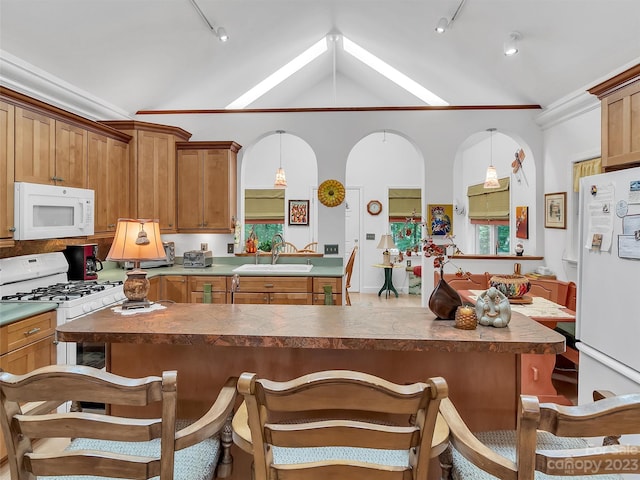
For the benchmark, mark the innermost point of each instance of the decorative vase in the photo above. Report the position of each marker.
(444, 300)
(512, 286)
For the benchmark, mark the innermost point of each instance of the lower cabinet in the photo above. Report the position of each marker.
(319, 284)
(274, 290)
(154, 289)
(197, 287)
(174, 288)
(26, 345)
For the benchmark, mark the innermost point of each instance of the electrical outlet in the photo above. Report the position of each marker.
(229, 247)
(331, 249)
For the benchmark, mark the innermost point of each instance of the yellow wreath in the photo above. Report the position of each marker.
(331, 193)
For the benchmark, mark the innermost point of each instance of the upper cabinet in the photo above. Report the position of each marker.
(6, 172)
(207, 179)
(152, 171)
(620, 106)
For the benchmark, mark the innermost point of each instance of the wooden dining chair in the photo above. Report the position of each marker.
(349, 271)
(549, 440)
(309, 248)
(107, 446)
(341, 424)
(285, 247)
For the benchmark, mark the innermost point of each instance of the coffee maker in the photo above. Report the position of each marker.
(83, 261)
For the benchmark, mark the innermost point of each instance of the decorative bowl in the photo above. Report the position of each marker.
(511, 286)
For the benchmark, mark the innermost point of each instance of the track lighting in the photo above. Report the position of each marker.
(442, 25)
(219, 32)
(511, 44)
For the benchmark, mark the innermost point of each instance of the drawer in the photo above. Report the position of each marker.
(218, 284)
(275, 284)
(320, 282)
(28, 358)
(216, 297)
(26, 331)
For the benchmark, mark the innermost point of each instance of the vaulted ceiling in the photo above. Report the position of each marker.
(160, 54)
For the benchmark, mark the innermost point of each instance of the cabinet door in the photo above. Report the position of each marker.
(621, 127)
(154, 289)
(291, 298)
(174, 287)
(35, 147)
(189, 195)
(118, 205)
(28, 358)
(97, 167)
(219, 197)
(216, 297)
(71, 155)
(6, 168)
(156, 178)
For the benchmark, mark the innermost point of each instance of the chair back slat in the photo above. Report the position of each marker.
(89, 425)
(340, 409)
(81, 383)
(342, 433)
(98, 464)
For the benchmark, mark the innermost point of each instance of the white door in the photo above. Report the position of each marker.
(352, 234)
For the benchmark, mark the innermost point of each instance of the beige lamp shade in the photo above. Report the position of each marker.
(136, 240)
(386, 242)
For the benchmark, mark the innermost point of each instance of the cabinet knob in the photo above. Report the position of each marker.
(12, 229)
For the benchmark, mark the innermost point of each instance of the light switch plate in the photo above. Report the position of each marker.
(371, 236)
(229, 247)
(331, 249)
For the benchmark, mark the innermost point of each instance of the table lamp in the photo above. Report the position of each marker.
(386, 242)
(136, 240)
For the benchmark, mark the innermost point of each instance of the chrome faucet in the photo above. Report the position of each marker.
(275, 247)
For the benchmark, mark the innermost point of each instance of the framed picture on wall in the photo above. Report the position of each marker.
(522, 222)
(555, 207)
(298, 212)
(439, 219)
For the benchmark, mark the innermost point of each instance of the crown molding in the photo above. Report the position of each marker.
(28, 79)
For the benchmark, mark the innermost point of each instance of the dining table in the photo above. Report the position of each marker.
(536, 370)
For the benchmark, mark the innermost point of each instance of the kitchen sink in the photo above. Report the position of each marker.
(277, 268)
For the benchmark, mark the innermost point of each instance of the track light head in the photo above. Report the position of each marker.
(222, 35)
(442, 25)
(511, 44)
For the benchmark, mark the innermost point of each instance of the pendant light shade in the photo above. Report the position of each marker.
(491, 179)
(281, 178)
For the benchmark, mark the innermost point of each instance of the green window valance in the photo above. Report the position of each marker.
(264, 204)
(405, 202)
(489, 203)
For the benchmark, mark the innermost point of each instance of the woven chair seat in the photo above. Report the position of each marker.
(292, 456)
(197, 462)
(503, 442)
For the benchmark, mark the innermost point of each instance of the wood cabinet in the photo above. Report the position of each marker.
(108, 166)
(620, 110)
(318, 289)
(26, 345)
(154, 289)
(218, 288)
(7, 128)
(152, 151)
(206, 179)
(275, 290)
(49, 151)
(174, 288)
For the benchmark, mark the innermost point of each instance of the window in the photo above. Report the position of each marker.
(405, 215)
(489, 212)
(264, 215)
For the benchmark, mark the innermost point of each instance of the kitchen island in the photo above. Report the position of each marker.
(207, 343)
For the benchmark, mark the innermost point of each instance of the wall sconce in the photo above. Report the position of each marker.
(491, 179)
(134, 241)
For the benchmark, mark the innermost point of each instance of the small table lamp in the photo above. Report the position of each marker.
(136, 240)
(386, 242)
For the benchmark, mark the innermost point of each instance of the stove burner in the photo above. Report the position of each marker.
(63, 292)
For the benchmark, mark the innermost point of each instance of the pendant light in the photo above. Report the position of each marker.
(491, 180)
(281, 179)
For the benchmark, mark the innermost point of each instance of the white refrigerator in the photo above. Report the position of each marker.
(608, 310)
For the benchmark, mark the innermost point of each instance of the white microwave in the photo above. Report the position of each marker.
(49, 211)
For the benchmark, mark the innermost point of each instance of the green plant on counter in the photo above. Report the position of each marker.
(265, 246)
